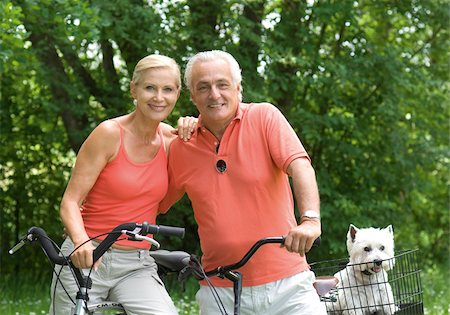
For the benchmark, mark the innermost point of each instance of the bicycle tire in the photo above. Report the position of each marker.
(106, 308)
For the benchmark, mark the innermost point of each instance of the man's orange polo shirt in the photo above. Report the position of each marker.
(250, 200)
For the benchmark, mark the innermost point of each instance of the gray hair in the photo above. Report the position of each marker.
(210, 56)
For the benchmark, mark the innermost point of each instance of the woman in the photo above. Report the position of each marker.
(120, 175)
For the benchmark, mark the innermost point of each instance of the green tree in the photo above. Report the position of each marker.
(364, 83)
(357, 79)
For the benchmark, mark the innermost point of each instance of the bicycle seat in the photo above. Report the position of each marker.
(324, 284)
(172, 260)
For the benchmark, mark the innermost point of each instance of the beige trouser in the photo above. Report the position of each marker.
(127, 277)
(289, 296)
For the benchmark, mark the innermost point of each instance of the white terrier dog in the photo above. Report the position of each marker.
(363, 287)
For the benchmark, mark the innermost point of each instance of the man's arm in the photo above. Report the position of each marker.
(169, 200)
(185, 128)
(174, 191)
(306, 192)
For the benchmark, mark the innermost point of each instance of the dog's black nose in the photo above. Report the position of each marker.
(378, 262)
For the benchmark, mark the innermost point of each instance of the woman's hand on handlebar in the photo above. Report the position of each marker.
(300, 239)
(83, 256)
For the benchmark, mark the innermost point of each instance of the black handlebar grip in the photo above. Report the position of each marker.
(110, 239)
(168, 230)
(41, 236)
(315, 243)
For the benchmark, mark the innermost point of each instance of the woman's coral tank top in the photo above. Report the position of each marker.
(126, 192)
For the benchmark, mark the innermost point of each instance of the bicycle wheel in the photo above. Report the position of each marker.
(106, 308)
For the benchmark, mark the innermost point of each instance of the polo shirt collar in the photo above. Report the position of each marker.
(238, 116)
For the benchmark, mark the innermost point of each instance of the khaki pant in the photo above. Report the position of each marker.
(289, 296)
(127, 277)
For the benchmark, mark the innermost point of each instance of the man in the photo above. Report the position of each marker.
(235, 171)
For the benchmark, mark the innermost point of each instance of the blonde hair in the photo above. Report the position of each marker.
(155, 61)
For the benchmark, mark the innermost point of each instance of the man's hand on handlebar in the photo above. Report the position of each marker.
(300, 239)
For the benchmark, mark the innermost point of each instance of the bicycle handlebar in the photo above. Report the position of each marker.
(145, 229)
(36, 233)
(230, 272)
(268, 240)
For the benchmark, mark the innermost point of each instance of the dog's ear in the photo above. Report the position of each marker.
(389, 229)
(352, 232)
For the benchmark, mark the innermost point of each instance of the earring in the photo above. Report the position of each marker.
(135, 102)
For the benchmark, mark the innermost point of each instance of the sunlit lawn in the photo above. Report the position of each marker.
(27, 306)
(32, 298)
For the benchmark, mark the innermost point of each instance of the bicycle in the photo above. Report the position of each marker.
(186, 265)
(405, 277)
(133, 231)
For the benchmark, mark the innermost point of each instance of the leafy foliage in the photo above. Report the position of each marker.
(364, 83)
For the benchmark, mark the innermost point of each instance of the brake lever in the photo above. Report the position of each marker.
(137, 237)
(148, 239)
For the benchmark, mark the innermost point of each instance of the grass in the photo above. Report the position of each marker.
(32, 297)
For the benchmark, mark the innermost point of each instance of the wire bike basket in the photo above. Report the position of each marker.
(403, 278)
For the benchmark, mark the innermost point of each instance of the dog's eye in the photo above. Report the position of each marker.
(367, 249)
(382, 248)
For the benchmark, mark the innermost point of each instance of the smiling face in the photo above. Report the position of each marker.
(214, 92)
(156, 92)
